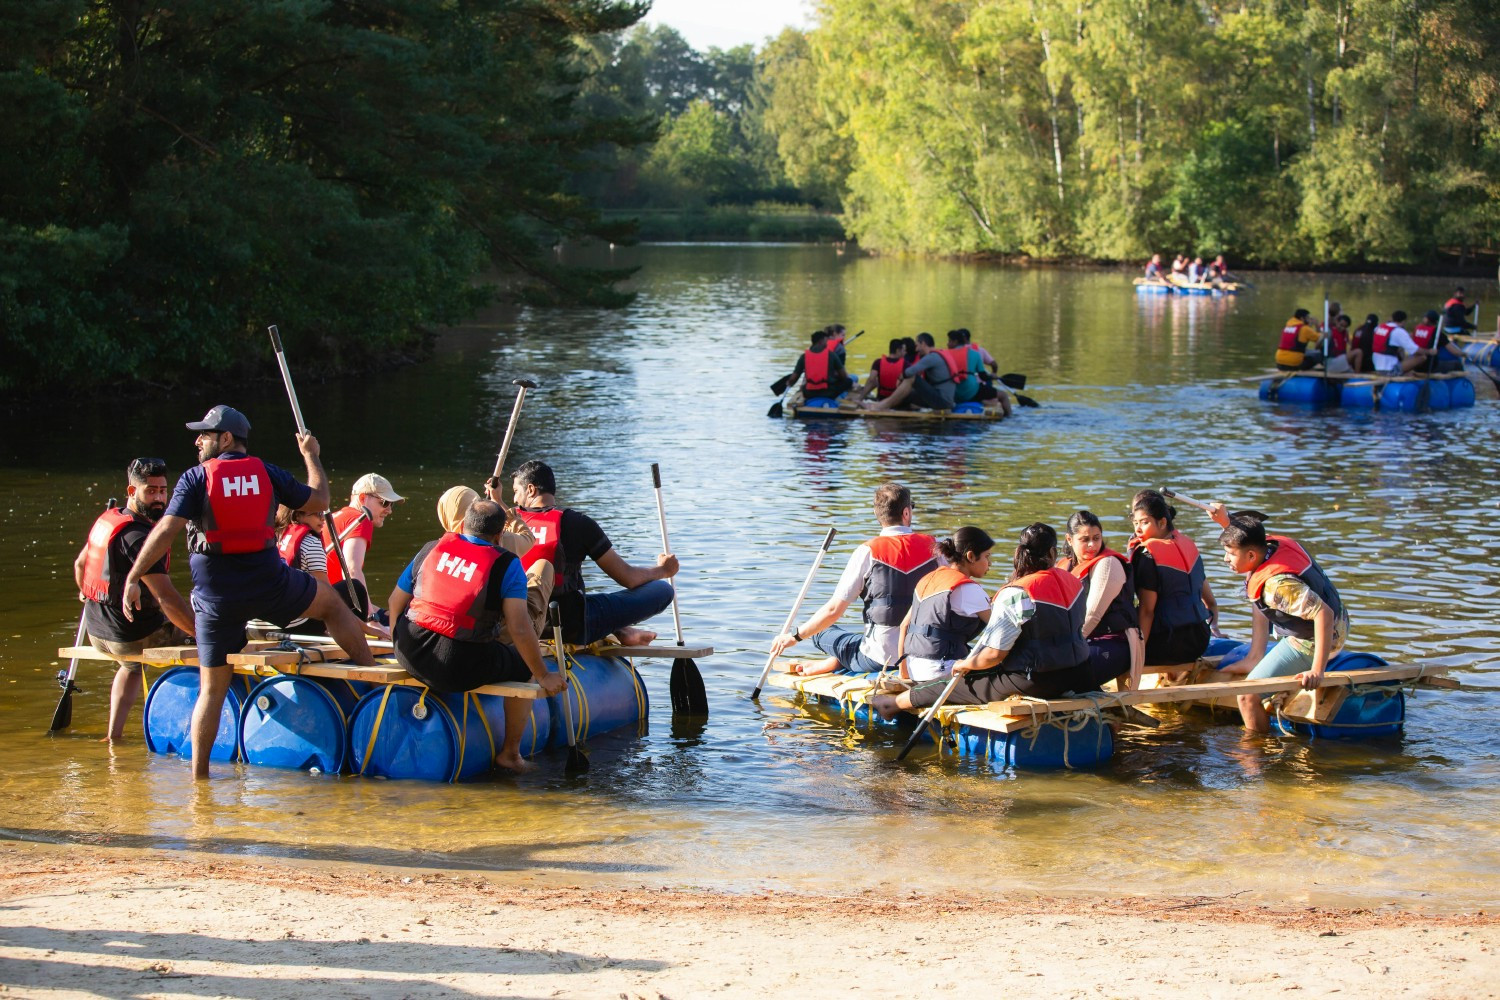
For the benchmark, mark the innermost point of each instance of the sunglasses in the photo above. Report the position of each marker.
(384, 503)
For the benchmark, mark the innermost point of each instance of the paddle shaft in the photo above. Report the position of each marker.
(63, 713)
(337, 545)
(791, 619)
(1200, 504)
(554, 611)
(666, 546)
(286, 376)
(927, 719)
(510, 429)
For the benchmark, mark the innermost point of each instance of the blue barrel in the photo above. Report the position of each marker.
(1400, 396)
(1306, 389)
(1439, 393)
(821, 403)
(168, 714)
(1460, 393)
(1482, 352)
(431, 738)
(1082, 742)
(297, 722)
(1357, 395)
(969, 407)
(1380, 711)
(606, 693)
(1153, 289)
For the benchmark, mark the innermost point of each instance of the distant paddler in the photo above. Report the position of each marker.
(885, 372)
(1456, 313)
(928, 383)
(824, 371)
(164, 618)
(1153, 269)
(227, 503)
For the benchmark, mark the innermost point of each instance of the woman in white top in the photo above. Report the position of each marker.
(1109, 624)
(949, 608)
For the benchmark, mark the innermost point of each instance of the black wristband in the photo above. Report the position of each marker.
(797, 634)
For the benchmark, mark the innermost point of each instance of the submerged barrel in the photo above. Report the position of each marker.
(409, 732)
(298, 722)
(1078, 741)
(1309, 390)
(168, 714)
(605, 694)
(1368, 711)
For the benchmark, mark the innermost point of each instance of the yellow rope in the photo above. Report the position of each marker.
(479, 710)
(375, 730)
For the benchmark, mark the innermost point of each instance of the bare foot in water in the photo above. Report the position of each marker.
(513, 762)
(632, 636)
(885, 704)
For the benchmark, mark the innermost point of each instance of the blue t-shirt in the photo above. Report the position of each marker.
(241, 576)
(512, 584)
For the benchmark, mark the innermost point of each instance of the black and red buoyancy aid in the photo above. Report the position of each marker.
(546, 528)
(899, 561)
(239, 514)
(1339, 338)
(106, 529)
(451, 589)
(936, 632)
(334, 527)
(1284, 556)
(1381, 342)
(1424, 335)
(815, 365)
(290, 542)
(889, 374)
(1053, 638)
(958, 363)
(1291, 337)
(1179, 601)
(835, 341)
(1120, 615)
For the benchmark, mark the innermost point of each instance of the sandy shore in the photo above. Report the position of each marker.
(83, 922)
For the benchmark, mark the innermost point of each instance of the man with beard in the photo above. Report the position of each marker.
(228, 504)
(100, 569)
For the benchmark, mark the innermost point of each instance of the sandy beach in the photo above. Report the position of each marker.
(86, 922)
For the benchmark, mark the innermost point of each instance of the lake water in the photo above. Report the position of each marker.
(1400, 510)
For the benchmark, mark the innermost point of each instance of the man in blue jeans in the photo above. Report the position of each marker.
(565, 537)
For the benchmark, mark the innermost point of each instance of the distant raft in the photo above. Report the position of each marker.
(1411, 393)
(824, 409)
(1155, 286)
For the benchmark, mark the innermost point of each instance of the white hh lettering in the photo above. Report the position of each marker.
(540, 532)
(454, 566)
(240, 486)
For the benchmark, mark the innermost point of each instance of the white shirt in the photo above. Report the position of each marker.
(880, 640)
(1399, 338)
(966, 599)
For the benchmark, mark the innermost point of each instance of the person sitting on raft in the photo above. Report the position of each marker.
(1288, 590)
(1176, 605)
(949, 608)
(1033, 645)
(1116, 650)
(1293, 351)
(1343, 356)
(371, 501)
(515, 537)
(1456, 313)
(299, 541)
(447, 609)
(928, 383)
(1429, 337)
(883, 572)
(985, 356)
(885, 372)
(837, 338)
(565, 538)
(1393, 350)
(825, 373)
(1195, 271)
(1153, 268)
(1362, 345)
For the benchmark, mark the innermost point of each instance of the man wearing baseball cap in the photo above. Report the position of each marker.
(227, 503)
(371, 500)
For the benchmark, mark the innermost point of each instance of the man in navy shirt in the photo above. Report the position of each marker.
(227, 503)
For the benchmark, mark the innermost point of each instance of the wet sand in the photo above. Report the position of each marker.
(88, 922)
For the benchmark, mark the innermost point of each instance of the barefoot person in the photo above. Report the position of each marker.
(516, 537)
(1288, 590)
(883, 572)
(927, 383)
(100, 570)
(565, 538)
(948, 609)
(447, 610)
(227, 503)
(1033, 644)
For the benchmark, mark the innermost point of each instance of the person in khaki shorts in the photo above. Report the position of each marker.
(100, 569)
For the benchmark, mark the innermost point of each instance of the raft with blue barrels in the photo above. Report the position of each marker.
(1481, 352)
(1402, 394)
(817, 409)
(1151, 286)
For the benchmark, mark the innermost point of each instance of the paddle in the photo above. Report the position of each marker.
(776, 408)
(1205, 506)
(522, 385)
(927, 719)
(578, 761)
(63, 714)
(792, 618)
(354, 593)
(778, 387)
(688, 696)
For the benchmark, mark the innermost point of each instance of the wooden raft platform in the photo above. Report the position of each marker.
(1414, 376)
(856, 413)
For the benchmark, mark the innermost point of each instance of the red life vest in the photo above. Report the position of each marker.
(1053, 638)
(1283, 555)
(334, 527)
(290, 542)
(935, 631)
(1455, 301)
(1291, 337)
(835, 341)
(1424, 334)
(958, 363)
(451, 587)
(1179, 601)
(240, 513)
(106, 529)
(546, 526)
(889, 373)
(899, 561)
(1340, 341)
(1120, 615)
(1380, 343)
(815, 364)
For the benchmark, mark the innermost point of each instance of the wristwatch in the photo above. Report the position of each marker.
(797, 634)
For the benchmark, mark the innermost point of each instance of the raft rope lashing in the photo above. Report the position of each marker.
(375, 730)
(640, 693)
(581, 723)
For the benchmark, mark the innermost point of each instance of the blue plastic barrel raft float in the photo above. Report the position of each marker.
(289, 709)
(1406, 394)
(1151, 286)
(1363, 697)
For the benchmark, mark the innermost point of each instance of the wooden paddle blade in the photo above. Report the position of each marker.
(775, 410)
(911, 742)
(686, 685)
(1013, 381)
(779, 386)
(62, 717)
(1027, 401)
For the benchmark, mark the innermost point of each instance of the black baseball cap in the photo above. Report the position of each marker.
(223, 418)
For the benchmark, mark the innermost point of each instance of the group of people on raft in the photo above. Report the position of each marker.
(913, 372)
(1064, 623)
(1188, 272)
(466, 611)
(1382, 348)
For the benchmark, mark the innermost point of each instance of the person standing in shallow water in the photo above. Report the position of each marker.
(100, 571)
(227, 503)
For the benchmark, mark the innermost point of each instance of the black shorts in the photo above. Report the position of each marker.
(451, 666)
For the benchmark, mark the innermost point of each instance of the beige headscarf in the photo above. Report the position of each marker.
(453, 505)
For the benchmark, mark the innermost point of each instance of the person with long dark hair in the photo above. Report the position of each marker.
(1033, 644)
(1176, 605)
(1109, 622)
(948, 609)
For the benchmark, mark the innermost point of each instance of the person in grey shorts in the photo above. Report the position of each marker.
(100, 569)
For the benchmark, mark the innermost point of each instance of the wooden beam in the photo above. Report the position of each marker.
(644, 652)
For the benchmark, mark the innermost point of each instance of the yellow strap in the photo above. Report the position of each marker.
(488, 732)
(375, 731)
(640, 694)
(463, 737)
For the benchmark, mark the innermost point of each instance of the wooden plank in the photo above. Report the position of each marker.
(188, 655)
(644, 652)
(379, 675)
(90, 653)
(816, 412)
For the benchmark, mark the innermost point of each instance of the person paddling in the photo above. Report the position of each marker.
(1177, 607)
(949, 608)
(1294, 350)
(371, 500)
(1116, 649)
(825, 372)
(928, 383)
(885, 372)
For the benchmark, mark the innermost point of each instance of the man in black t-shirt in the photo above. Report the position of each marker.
(100, 570)
(566, 538)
